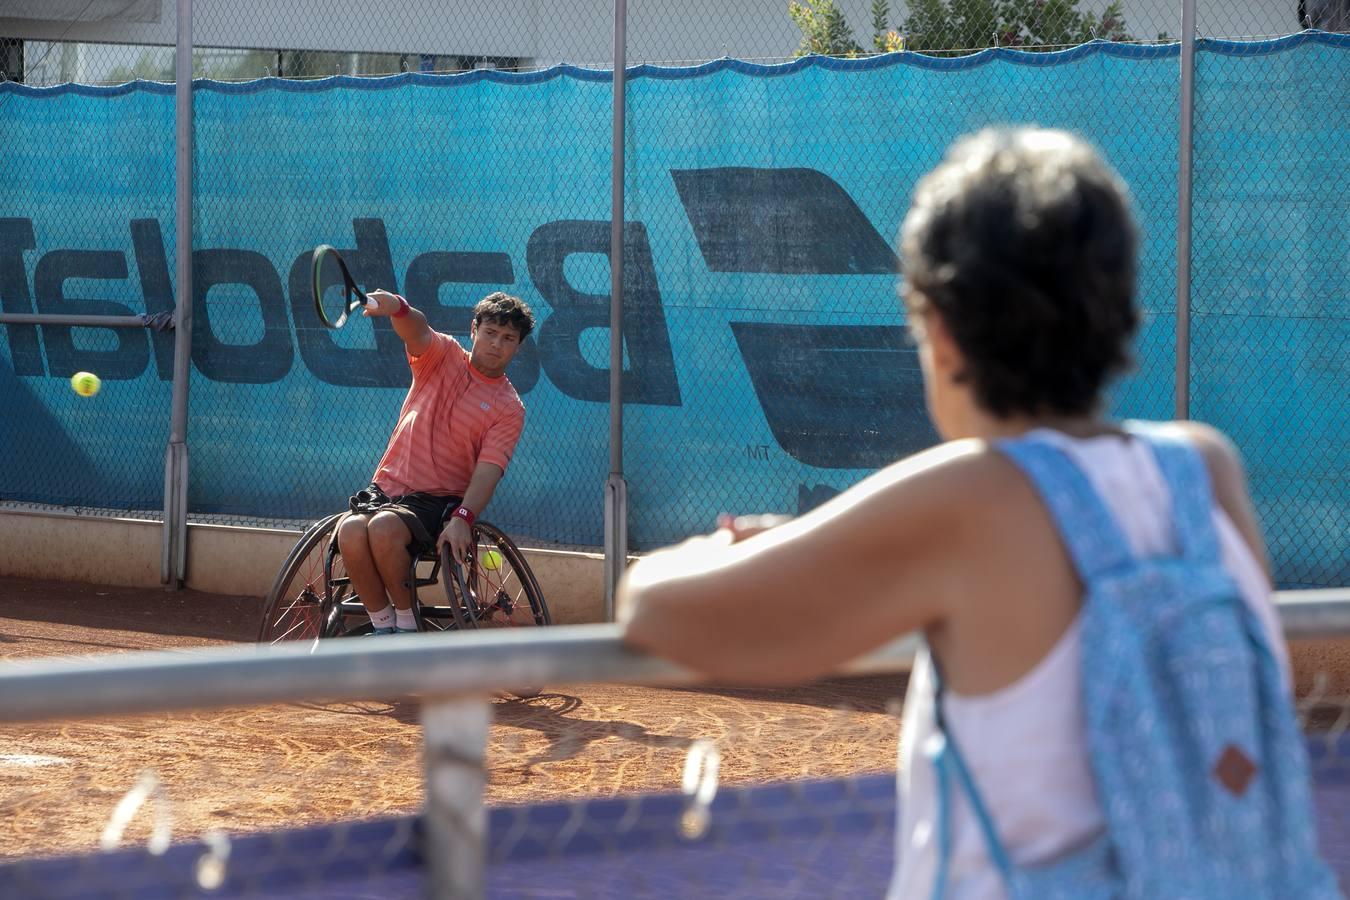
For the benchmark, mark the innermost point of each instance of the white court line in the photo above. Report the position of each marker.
(30, 760)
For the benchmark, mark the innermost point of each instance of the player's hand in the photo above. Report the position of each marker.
(380, 303)
(458, 537)
(742, 527)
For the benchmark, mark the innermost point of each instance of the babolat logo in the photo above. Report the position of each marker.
(270, 358)
(834, 396)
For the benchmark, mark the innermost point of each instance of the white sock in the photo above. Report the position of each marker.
(406, 620)
(383, 618)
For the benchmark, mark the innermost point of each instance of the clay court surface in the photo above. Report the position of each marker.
(253, 769)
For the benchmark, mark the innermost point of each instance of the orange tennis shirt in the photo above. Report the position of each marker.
(453, 418)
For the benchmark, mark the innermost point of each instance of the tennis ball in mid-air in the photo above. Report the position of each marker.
(86, 384)
(491, 560)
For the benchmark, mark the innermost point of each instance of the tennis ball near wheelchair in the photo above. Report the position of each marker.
(490, 560)
(86, 384)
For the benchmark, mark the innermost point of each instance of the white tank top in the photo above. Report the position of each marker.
(1025, 744)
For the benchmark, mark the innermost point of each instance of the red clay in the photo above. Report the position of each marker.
(245, 770)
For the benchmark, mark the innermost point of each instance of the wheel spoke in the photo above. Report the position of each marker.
(504, 595)
(296, 608)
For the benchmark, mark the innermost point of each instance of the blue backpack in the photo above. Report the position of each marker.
(1200, 766)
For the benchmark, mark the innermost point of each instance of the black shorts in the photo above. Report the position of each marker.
(423, 513)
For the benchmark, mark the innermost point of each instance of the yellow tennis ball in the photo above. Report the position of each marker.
(86, 384)
(491, 560)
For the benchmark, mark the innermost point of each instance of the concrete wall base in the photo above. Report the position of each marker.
(229, 559)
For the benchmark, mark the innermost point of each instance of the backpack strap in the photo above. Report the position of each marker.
(1188, 484)
(1096, 543)
(948, 763)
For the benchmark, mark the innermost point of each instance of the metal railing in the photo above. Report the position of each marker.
(436, 667)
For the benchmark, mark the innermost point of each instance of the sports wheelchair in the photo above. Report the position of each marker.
(312, 596)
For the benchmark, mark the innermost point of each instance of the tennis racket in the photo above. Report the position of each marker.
(335, 292)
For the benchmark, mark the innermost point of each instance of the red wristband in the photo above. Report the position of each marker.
(403, 308)
(465, 514)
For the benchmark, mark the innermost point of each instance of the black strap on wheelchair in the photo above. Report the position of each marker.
(370, 500)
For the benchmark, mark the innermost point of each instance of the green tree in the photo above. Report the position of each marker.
(885, 39)
(881, 15)
(824, 29)
(945, 25)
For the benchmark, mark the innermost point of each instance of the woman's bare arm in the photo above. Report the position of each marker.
(796, 600)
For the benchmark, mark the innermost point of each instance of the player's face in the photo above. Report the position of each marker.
(494, 346)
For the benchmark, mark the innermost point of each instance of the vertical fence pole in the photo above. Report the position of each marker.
(616, 488)
(173, 561)
(455, 834)
(1185, 163)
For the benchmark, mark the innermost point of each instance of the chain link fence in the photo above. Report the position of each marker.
(83, 235)
(787, 294)
(236, 41)
(1271, 289)
(766, 361)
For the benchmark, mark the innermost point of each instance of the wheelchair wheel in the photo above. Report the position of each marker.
(301, 605)
(496, 589)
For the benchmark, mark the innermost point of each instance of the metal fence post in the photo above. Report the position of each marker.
(616, 488)
(1185, 163)
(173, 561)
(454, 843)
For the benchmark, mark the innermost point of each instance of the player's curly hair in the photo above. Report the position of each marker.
(1023, 240)
(504, 309)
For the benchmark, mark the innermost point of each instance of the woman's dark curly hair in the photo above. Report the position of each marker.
(1023, 241)
(503, 309)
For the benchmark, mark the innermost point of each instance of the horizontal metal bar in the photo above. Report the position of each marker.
(1313, 614)
(133, 516)
(78, 321)
(443, 665)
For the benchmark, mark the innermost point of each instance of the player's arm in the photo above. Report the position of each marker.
(457, 532)
(794, 601)
(482, 484)
(409, 323)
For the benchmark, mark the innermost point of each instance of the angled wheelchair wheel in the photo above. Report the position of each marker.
(305, 600)
(496, 588)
